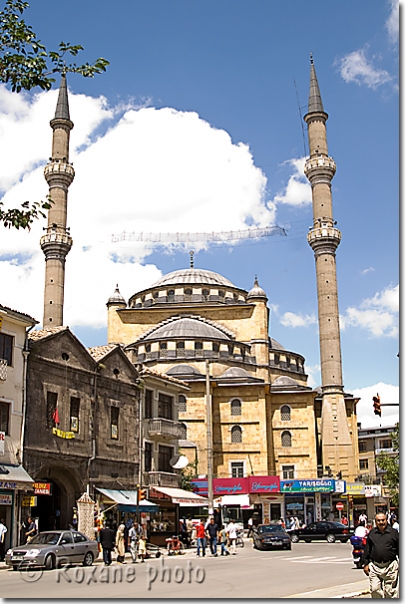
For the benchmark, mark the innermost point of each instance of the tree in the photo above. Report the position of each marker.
(390, 463)
(25, 63)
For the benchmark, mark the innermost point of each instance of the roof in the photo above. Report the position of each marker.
(98, 352)
(116, 297)
(19, 315)
(275, 345)
(187, 327)
(62, 107)
(237, 373)
(183, 370)
(41, 334)
(193, 276)
(257, 291)
(162, 376)
(315, 104)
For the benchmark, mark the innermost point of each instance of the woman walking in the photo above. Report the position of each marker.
(120, 544)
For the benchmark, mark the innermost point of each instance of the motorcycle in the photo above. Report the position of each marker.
(358, 544)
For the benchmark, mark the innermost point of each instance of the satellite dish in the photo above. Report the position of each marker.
(178, 462)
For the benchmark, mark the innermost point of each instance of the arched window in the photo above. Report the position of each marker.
(182, 403)
(285, 412)
(236, 434)
(170, 295)
(179, 345)
(230, 349)
(183, 431)
(205, 294)
(236, 407)
(198, 346)
(215, 347)
(286, 439)
(147, 348)
(188, 293)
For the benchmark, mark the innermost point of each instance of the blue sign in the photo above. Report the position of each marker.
(312, 485)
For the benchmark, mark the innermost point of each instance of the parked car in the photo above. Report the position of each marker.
(331, 531)
(268, 536)
(51, 549)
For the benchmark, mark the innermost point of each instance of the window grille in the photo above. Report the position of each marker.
(285, 413)
(236, 407)
(286, 439)
(182, 404)
(236, 434)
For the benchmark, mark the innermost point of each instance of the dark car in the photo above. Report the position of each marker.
(51, 549)
(331, 531)
(268, 536)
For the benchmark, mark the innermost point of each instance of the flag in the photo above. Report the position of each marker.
(55, 416)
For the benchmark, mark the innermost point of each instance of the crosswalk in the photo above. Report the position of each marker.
(313, 559)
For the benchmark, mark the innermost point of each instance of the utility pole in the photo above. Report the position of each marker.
(209, 437)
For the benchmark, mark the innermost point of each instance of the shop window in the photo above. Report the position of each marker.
(182, 403)
(183, 431)
(74, 414)
(6, 348)
(148, 404)
(164, 457)
(236, 407)
(362, 446)
(115, 412)
(237, 469)
(165, 406)
(288, 472)
(285, 412)
(286, 439)
(5, 418)
(363, 464)
(148, 453)
(236, 434)
(51, 403)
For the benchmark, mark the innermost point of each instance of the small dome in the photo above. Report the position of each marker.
(236, 372)
(116, 298)
(186, 328)
(284, 380)
(256, 291)
(274, 345)
(183, 370)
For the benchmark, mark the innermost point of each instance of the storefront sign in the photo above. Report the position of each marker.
(7, 485)
(63, 434)
(28, 502)
(355, 488)
(372, 490)
(264, 484)
(42, 488)
(2, 441)
(6, 499)
(340, 486)
(319, 485)
(230, 486)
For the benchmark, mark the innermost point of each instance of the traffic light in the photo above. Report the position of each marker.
(142, 494)
(377, 405)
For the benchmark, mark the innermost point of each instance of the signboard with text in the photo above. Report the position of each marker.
(315, 485)
(6, 499)
(42, 488)
(355, 488)
(264, 484)
(28, 502)
(230, 486)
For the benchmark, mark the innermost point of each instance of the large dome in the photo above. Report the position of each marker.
(193, 276)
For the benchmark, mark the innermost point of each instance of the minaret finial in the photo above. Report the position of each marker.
(315, 104)
(62, 107)
(311, 58)
(191, 259)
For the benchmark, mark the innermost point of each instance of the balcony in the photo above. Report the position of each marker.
(161, 479)
(388, 451)
(164, 427)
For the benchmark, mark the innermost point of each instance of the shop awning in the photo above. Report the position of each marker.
(181, 496)
(242, 500)
(127, 501)
(15, 477)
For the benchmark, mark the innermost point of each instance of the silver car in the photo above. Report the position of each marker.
(52, 549)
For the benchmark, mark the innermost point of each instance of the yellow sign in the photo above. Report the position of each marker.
(62, 434)
(28, 502)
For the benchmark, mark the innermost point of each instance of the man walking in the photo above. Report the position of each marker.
(381, 559)
(200, 538)
(232, 535)
(212, 532)
(3, 531)
(133, 541)
(107, 543)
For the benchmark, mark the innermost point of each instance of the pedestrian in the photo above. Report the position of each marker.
(3, 531)
(232, 535)
(190, 529)
(250, 527)
(107, 543)
(395, 524)
(31, 529)
(133, 542)
(345, 520)
(212, 533)
(120, 544)
(184, 532)
(381, 559)
(363, 518)
(142, 548)
(200, 531)
(222, 541)
(361, 530)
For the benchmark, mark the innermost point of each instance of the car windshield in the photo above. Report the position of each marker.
(271, 528)
(45, 538)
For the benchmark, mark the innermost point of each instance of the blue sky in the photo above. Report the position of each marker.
(196, 127)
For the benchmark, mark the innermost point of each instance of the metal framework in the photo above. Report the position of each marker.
(225, 236)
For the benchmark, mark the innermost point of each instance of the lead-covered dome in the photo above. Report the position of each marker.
(187, 328)
(193, 276)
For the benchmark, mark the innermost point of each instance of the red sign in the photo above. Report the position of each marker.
(340, 506)
(230, 486)
(42, 488)
(264, 484)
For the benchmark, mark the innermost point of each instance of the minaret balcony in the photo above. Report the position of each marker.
(59, 174)
(324, 239)
(319, 167)
(56, 244)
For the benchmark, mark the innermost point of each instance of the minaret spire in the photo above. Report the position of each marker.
(324, 239)
(56, 243)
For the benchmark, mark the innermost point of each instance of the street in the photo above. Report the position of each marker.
(308, 570)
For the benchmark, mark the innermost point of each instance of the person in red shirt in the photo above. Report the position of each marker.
(200, 538)
(345, 520)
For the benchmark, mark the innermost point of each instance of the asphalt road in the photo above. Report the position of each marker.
(308, 570)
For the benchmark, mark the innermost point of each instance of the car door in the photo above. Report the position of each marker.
(67, 548)
(309, 532)
(322, 530)
(82, 546)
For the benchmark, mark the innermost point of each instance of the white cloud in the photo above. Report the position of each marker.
(377, 315)
(365, 409)
(392, 23)
(290, 319)
(298, 190)
(314, 375)
(367, 270)
(138, 170)
(355, 67)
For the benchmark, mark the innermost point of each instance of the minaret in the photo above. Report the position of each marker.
(56, 243)
(324, 238)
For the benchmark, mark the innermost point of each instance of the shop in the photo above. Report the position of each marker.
(119, 507)
(15, 483)
(311, 500)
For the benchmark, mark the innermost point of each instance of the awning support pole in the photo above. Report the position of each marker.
(209, 436)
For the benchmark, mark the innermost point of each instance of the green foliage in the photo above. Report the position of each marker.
(187, 474)
(25, 63)
(390, 463)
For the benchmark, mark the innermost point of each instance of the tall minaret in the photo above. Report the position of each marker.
(56, 243)
(324, 238)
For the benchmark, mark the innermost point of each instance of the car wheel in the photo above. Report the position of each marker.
(330, 538)
(294, 538)
(49, 562)
(88, 559)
